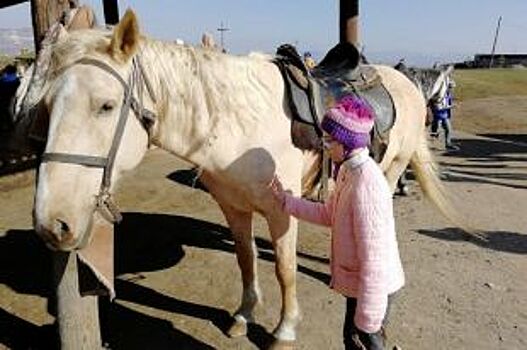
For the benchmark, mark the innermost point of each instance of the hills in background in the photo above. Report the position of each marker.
(14, 40)
(411, 58)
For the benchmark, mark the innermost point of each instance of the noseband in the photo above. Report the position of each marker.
(105, 204)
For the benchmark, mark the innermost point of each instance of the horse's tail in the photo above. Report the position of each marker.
(426, 172)
(311, 174)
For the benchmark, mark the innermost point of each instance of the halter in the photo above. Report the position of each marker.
(105, 203)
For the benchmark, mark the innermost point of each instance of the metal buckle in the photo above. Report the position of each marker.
(107, 207)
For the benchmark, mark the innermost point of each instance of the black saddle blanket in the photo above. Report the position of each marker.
(311, 93)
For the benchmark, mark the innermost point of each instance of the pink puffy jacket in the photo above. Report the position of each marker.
(365, 262)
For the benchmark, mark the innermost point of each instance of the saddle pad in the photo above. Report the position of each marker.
(309, 97)
(367, 84)
(382, 104)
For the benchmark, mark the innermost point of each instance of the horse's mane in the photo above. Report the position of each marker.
(89, 42)
(71, 47)
(77, 45)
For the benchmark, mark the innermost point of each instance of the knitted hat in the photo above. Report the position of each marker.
(349, 122)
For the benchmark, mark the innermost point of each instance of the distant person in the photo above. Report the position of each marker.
(78, 17)
(9, 82)
(9, 75)
(207, 42)
(309, 61)
(401, 65)
(365, 263)
(442, 115)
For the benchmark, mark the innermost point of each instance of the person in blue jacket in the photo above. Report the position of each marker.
(9, 82)
(442, 112)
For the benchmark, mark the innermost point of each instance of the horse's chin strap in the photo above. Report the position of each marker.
(104, 201)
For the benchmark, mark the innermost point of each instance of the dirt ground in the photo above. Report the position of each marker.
(179, 282)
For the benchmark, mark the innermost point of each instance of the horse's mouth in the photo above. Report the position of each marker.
(68, 243)
(53, 243)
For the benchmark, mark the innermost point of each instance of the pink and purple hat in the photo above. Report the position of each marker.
(349, 122)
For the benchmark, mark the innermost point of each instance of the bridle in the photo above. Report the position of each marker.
(105, 204)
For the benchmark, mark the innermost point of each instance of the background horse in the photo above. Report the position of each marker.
(225, 114)
(432, 82)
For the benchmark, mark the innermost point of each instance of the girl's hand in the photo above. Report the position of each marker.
(278, 191)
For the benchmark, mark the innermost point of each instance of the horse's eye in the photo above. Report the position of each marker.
(107, 107)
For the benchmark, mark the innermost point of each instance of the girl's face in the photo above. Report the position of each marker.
(335, 148)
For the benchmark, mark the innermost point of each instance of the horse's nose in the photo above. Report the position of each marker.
(61, 231)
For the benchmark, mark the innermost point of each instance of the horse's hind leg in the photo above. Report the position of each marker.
(395, 171)
(240, 224)
(284, 234)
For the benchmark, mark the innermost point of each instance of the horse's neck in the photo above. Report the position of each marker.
(196, 116)
(432, 83)
(184, 122)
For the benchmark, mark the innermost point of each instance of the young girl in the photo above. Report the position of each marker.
(365, 263)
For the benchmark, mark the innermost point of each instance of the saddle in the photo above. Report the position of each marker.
(311, 93)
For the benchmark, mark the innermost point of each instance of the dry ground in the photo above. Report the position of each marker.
(179, 280)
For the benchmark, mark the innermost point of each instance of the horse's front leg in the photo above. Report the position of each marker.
(240, 224)
(284, 235)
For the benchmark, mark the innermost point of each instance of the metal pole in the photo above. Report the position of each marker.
(495, 42)
(349, 21)
(222, 29)
(77, 316)
(111, 11)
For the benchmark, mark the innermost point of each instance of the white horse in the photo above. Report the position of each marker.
(226, 114)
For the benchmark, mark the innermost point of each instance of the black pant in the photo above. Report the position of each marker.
(354, 338)
(446, 124)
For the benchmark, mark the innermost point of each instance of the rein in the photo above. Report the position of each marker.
(105, 204)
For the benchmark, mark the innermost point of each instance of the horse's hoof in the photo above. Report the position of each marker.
(238, 329)
(282, 345)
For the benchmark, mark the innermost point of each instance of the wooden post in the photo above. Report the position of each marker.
(44, 13)
(349, 21)
(78, 317)
(111, 11)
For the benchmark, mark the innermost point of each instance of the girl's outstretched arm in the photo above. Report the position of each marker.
(316, 213)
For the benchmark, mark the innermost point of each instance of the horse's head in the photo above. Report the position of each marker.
(441, 85)
(93, 135)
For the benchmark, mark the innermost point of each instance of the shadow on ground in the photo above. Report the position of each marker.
(521, 138)
(143, 242)
(187, 177)
(489, 161)
(503, 241)
(490, 149)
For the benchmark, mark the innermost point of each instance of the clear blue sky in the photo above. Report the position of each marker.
(424, 31)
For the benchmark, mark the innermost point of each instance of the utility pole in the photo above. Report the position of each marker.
(349, 21)
(495, 42)
(111, 11)
(222, 29)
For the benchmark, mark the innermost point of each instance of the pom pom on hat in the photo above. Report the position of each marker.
(350, 122)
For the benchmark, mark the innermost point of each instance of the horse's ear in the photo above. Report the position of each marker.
(125, 37)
